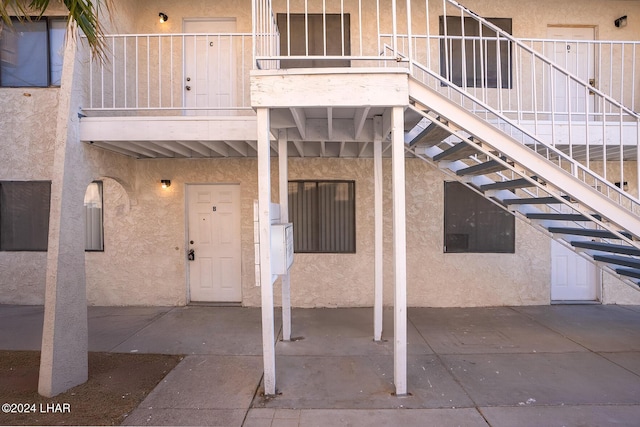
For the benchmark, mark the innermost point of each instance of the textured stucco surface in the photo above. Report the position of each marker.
(144, 261)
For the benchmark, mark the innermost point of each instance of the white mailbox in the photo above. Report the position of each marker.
(281, 248)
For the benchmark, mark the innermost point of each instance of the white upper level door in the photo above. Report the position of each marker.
(210, 71)
(578, 58)
(213, 233)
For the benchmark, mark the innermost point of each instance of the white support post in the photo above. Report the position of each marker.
(284, 217)
(399, 253)
(379, 255)
(266, 283)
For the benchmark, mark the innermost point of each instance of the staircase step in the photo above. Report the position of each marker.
(430, 136)
(607, 247)
(534, 201)
(618, 260)
(603, 234)
(507, 185)
(629, 272)
(482, 169)
(560, 217)
(457, 152)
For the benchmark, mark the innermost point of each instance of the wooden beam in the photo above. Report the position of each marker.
(239, 147)
(329, 123)
(378, 229)
(364, 145)
(399, 253)
(197, 147)
(359, 120)
(266, 284)
(386, 123)
(174, 146)
(218, 147)
(283, 173)
(300, 118)
(135, 148)
(323, 150)
(300, 147)
(342, 147)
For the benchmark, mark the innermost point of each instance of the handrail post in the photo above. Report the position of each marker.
(394, 28)
(253, 34)
(409, 37)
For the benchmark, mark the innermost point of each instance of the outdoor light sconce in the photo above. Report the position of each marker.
(164, 18)
(621, 22)
(625, 185)
(166, 183)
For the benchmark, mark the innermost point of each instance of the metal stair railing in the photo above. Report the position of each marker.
(527, 93)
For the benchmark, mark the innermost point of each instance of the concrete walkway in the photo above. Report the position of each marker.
(505, 366)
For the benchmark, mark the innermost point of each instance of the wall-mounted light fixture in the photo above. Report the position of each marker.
(625, 185)
(166, 183)
(621, 22)
(163, 17)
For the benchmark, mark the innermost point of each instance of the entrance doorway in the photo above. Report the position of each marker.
(210, 64)
(213, 234)
(578, 59)
(573, 278)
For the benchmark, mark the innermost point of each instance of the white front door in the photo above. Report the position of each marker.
(573, 278)
(579, 60)
(214, 236)
(210, 64)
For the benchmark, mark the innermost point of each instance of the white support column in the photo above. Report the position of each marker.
(266, 282)
(284, 217)
(399, 253)
(378, 246)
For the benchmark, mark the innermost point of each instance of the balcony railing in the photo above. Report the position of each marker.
(172, 74)
(614, 66)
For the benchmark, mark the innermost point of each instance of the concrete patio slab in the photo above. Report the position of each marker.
(485, 330)
(562, 416)
(111, 326)
(201, 330)
(222, 386)
(596, 327)
(543, 379)
(628, 360)
(361, 382)
(344, 332)
(21, 327)
(525, 366)
(364, 417)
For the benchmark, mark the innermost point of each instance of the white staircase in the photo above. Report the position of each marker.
(540, 179)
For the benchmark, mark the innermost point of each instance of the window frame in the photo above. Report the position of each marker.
(101, 222)
(470, 212)
(351, 190)
(49, 27)
(43, 224)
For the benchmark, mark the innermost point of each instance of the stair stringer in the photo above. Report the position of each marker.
(528, 160)
(539, 172)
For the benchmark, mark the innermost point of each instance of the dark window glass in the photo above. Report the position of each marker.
(474, 224)
(314, 25)
(31, 53)
(323, 216)
(483, 66)
(24, 215)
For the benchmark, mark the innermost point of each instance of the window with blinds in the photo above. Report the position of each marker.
(94, 229)
(24, 215)
(323, 216)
